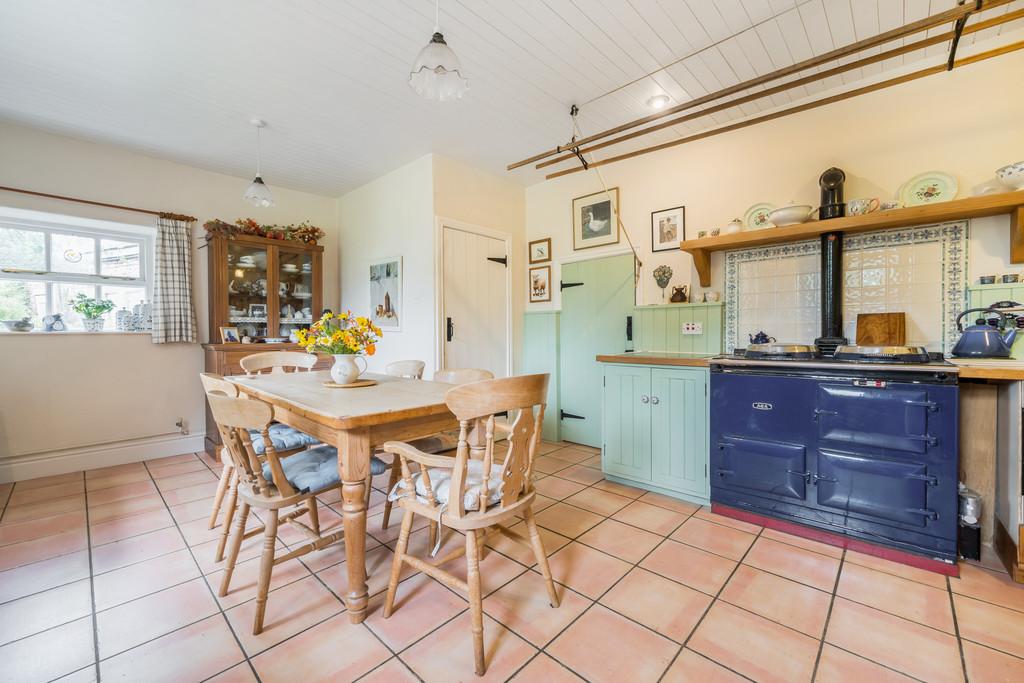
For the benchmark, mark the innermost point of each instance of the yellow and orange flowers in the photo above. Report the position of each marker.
(340, 334)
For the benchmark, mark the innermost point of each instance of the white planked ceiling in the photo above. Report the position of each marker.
(181, 79)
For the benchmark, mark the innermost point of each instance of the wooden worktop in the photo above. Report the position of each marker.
(656, 358)
(1006, 371)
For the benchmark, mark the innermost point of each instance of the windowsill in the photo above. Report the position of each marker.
(43, 333)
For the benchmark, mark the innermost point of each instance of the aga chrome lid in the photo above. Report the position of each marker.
(780, 349)
(869, 351)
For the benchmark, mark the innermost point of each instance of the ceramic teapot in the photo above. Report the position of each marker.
(679, 294)
(761, 338)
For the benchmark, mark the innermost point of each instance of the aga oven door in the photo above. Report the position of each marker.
(876, 488)
(891, 417)
(766, 467)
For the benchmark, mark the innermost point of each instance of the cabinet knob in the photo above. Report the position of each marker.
(655, 400)
(645, 399)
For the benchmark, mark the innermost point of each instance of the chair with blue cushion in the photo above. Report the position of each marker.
(285, 440)
(271, 483)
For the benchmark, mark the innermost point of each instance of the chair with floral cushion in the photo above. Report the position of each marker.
(476, 497)
(271, 484)
(436, 443)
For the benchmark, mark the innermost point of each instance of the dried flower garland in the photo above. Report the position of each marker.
(303, 232)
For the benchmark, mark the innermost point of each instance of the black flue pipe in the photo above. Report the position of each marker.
(831, 293)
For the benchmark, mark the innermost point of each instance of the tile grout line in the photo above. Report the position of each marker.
(956, 631)
(92, 586)
(828, 615)
(202, 576)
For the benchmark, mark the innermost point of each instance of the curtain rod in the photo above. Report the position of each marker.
(161, 214)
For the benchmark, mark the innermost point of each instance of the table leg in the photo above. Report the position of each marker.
(354, 465)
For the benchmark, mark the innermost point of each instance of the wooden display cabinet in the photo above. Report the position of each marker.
(265, 288)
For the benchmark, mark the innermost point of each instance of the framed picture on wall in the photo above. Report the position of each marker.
(386, 293)
(667, 228)
(595, 220)
(540, 250)
(540, 284)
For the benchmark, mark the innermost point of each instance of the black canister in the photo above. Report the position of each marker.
(832, 204)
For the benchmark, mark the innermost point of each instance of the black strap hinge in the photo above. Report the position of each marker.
(562, 284)
(569, 416)
(503, 260)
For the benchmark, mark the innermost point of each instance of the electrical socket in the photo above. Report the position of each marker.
(693, 328)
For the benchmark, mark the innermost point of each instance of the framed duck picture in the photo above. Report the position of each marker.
(595, 220)
(667, 228)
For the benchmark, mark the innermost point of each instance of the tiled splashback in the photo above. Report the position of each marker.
(920, 271)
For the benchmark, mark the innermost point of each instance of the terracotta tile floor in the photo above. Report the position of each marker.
(109, 575)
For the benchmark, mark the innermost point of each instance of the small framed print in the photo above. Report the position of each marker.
(540, 284)
(257, 310)
(540, 250)
(229, 335)
(667, 228)
(595, 220)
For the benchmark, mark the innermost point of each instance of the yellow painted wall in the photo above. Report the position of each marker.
(968, 122)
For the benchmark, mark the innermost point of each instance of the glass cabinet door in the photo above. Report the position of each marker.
(295, 290)
(247, 289)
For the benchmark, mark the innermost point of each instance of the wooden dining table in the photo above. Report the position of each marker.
(355, 420)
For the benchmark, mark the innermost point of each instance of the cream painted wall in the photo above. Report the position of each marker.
(397, 214)
(78, 392)
(393, 216)
(967, 122)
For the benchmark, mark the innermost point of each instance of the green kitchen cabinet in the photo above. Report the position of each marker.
(655, 432)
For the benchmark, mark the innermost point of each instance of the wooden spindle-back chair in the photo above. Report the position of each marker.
(235, 418)
(278, 361)
(409, 369)
(477, 497)
(227, 487)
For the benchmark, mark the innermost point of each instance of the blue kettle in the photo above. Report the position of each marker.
(982, 340)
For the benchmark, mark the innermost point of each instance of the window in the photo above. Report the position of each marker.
(47, 260)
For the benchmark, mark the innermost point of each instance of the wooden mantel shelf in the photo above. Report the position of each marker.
(927, 214)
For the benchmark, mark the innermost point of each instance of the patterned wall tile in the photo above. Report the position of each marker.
(921, 271)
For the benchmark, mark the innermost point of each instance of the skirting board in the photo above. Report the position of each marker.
(34, 465)
(697, 500)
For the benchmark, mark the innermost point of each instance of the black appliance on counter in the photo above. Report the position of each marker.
(861, 443)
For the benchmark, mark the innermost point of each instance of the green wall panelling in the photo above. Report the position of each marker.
(659, 328)
(986, 295)
(540, 354)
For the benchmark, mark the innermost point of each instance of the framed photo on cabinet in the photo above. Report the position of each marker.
(540, 250)
(668, 227)
(595, 220)
(540, 284)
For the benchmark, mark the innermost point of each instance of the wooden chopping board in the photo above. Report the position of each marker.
(881, 329)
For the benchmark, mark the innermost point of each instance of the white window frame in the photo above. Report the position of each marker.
(49, 224)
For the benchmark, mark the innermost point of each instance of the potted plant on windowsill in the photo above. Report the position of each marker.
(344, 336)
(92, 311)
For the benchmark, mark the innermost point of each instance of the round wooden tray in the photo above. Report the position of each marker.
(354, 385)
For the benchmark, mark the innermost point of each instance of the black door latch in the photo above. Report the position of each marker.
(450, 329)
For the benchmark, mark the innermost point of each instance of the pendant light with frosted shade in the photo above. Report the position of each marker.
(437, 73)
(258, 194)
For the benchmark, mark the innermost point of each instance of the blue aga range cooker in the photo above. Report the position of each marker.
(862, 443)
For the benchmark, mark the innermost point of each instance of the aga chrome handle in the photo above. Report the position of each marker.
(655, 400)
(645, 399)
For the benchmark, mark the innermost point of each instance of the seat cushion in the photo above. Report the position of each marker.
(310, 470)
(283, 437)
(377, 466)
(440, 481)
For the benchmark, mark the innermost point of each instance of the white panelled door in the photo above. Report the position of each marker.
(475, 304)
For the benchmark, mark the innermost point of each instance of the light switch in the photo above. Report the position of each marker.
(693, 328)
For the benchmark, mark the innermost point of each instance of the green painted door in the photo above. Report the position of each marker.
(627, 422)
(593, 321)
(679, 429)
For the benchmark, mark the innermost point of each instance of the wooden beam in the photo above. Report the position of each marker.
(782, 87)
(859, 46)
(899, 80)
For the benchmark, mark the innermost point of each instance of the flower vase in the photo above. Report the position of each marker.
(93, 324)
(345, 369)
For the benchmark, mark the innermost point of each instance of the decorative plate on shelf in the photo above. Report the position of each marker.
(756, 216)
(928, 188)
